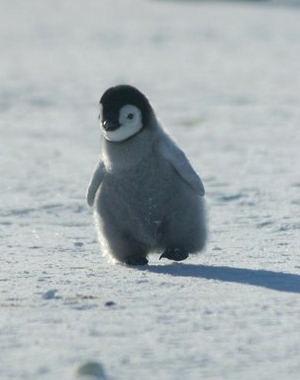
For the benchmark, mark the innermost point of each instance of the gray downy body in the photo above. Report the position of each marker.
(142, 204)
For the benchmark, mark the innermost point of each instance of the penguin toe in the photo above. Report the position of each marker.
(136, 260)
(175, 254)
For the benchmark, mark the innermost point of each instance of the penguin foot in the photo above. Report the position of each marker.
(175, 254)
(136, 260)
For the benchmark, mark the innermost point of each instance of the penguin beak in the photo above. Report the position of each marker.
(110, 125)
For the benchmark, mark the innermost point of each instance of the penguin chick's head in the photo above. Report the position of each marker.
(124, 112)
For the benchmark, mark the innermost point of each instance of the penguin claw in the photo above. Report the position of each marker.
(136, 260)
(174, 254)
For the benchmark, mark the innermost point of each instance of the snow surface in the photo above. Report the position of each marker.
(224, 78)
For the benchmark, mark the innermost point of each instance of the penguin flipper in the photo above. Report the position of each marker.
(176, 157)
(95, 183)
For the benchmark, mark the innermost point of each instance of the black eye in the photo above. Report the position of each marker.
(130, 116)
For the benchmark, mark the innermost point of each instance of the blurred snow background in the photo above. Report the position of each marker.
(224, 78)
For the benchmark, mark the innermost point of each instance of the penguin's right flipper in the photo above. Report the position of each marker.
(95, 183)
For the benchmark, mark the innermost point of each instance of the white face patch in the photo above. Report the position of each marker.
(130, 119)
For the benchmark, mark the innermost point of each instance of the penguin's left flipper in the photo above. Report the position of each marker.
(175, 254)
(175, 156)
(95, 183)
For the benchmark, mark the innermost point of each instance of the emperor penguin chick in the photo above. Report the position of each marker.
(146, 194)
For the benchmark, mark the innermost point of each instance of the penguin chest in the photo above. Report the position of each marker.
(138, 197)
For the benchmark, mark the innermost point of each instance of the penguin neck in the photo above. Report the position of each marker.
(118, 156)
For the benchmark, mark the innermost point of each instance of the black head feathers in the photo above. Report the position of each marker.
(116, 97)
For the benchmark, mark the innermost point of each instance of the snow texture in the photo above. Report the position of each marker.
(224, 78)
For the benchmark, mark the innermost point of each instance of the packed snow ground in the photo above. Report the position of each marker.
(224, 79)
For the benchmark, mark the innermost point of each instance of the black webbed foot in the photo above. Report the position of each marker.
(136, 260)
(175, 254)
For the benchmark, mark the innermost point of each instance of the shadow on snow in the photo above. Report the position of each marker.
(284, 282)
